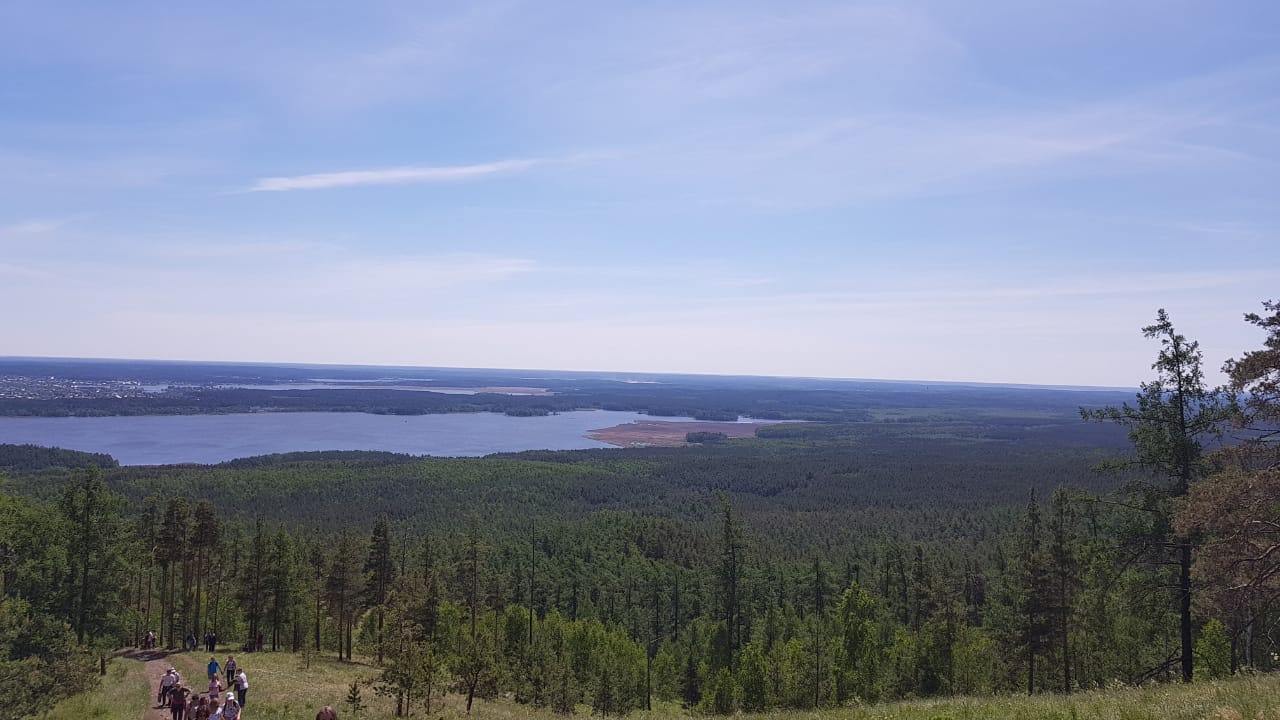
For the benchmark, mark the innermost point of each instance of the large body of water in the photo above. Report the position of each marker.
(165, 439)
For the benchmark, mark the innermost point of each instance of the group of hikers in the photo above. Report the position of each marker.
(188, 643)
(184, 703)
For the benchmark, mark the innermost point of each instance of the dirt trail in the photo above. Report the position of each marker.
(155, 662)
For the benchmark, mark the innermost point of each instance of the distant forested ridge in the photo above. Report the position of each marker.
(931, 552)
(703, 398)
(25, 458)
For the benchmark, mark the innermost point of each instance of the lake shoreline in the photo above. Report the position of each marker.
(215, 438)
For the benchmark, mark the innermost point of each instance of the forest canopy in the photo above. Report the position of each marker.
(814, 566)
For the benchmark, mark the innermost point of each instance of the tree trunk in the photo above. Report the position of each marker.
(380, 619)
(150, 591)
(1184, 586)
(318, 591)
(1031, 669)
(648, 678)
(173, 612)
(342, 621)
(471, 689)
(1235, 650)
(1066, 655)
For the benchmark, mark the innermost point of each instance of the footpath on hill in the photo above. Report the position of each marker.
(155, 662)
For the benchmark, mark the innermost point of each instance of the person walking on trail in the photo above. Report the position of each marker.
(215, 707)
(202, 708)
(242, 687)
(214, 667)
(327, 713)
(230, 669)
(231, 708)
(215, 686)
(177, 702)
(166, 684)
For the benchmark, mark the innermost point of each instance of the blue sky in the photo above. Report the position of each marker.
(977, 191)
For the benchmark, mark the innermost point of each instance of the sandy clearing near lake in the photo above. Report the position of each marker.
(657, 433)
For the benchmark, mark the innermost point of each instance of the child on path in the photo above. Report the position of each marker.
(215, 686)
(213, 668)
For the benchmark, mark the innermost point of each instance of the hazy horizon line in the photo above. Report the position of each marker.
(267, 363)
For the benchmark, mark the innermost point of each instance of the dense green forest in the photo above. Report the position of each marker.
(813, 566)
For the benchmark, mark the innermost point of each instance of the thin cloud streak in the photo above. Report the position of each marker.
(390, 176)
(33, 227)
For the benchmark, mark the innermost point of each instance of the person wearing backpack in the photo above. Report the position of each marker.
(231, 708)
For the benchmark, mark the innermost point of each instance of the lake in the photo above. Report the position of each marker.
(166, 439)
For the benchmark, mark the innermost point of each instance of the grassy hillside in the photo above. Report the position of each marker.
(283, 687)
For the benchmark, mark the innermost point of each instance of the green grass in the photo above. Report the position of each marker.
(282, 687)
(1245, 698)
(123, 694)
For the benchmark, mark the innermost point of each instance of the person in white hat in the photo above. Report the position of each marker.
(167, 681)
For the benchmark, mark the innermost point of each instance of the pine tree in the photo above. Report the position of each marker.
(380, 572)
(1064, 572)
(174, 537)
(476, 660)
(1035, 588)
(1255, 377)
(281, 585)
(94, 554)
(253, 580)
(729, 578)
(1174, 414)
(342, 589)
(205, 535)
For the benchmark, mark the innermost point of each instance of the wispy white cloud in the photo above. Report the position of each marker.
(32, 227)
(312, 283)
(241, 250)
(390, 176)
(21, 271)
